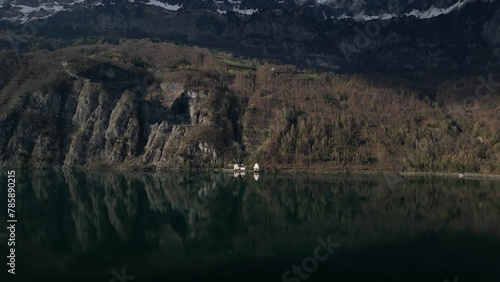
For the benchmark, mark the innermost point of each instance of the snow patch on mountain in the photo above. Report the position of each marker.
(235, 6)
(165, 6)
(23, 11)
(435, 12)
(26, 13)
(247, 12)
(432, 12)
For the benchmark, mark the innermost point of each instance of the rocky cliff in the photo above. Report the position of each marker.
(107, 117)
(88, 126)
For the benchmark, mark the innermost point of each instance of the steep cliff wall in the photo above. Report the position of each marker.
(90, 124)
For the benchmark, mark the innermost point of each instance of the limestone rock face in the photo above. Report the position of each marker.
(95, 126)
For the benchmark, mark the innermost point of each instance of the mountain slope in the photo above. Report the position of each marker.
(153, 105)
(462, 40)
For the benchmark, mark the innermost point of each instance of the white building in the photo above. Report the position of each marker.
(256, 167)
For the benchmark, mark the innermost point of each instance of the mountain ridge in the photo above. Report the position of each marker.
(450, 38)
(20, 11)
(464, 42)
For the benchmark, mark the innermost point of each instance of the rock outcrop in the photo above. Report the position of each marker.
(92, 124)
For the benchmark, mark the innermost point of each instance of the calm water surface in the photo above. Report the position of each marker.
(180, 226)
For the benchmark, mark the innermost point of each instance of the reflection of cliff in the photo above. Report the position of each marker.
(85, 212)
(94, 207)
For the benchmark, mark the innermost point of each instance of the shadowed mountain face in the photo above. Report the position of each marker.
(414, 39)
(25, 10)
(184, 226)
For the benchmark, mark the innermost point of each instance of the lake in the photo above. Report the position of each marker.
(194, 226)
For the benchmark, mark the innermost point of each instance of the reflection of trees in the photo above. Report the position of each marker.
(84, 212)
(365, 209)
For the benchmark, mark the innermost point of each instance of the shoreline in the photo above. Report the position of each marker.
(467, 176)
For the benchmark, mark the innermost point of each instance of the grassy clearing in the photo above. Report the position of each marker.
(243, 64)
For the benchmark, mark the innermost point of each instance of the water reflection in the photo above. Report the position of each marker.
(256, 176)
(83, 224)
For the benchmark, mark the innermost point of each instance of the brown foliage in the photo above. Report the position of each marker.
(292, 118)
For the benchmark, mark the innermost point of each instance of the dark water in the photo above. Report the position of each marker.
(179, 226)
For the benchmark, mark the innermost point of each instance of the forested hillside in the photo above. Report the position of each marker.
(140, 104)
